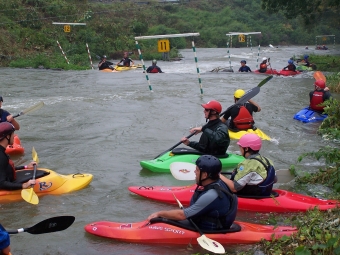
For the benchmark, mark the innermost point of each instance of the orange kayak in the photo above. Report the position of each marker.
(16, 148)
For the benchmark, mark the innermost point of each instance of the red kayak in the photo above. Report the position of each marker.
(269, 71)
(16, 148)
(163, 231)
(282, 200)
(288, 73)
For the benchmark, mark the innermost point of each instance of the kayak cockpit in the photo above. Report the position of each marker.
(183, 151)
(23, 176)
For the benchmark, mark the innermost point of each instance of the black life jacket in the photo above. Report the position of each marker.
(244, 120)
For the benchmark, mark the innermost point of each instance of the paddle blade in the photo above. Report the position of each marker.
(30, 109)
(183, 171)
(51, 225)
(35, 155)
(29, 196)
(319, 76)
(210, 245)
(265, 81)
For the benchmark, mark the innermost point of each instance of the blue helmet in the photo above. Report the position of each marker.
(290, 61)
(306, 56)
(243, 61)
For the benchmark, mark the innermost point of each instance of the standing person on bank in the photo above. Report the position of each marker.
(6, 116)
(215, 138)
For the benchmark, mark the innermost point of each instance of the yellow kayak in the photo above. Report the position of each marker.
(127, 68)
(48, 182)
(108, 70)
(239, 134)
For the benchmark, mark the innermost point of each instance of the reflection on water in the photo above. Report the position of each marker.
(105, 123)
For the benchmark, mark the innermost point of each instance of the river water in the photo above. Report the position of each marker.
(105, 123)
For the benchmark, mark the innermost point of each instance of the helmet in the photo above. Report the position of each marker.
(290, 61)
(104, 56)
(264, 58)
(6, 129)
(320, 83)
(154, 61)
(1, 99)
(239, 93)
(210, 165)
(243, 61)
(305, 56)
(213, 105)
(252, 141)
(4, 238)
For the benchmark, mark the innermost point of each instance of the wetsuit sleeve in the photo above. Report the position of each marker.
(4, 183)
(326, 96)
(311, 95)
(109, 63)
(201, 205)
(149, 69)
(219, 136)
(249, 69)
(227, 114)
(159, 70)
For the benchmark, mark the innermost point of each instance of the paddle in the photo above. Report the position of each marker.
(54, 224)
(186, 172)
(319, 76)
(29, 195)
(30, 109)
(203, 241)
(248, 95)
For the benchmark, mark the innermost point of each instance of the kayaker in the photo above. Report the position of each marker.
(291, 66)
(212, 206)
(264, 65)
(104, 64)
(255, 175)
(154, 68)
(5, 248)
(215, 137)
(7, 169)
(241, 116)
(6, 116)
(318, 96)
(244, 67)
(126, 60)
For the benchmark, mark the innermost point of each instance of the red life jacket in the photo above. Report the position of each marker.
(155, 70)
(263, 66)
(244, 120)
(317, 99)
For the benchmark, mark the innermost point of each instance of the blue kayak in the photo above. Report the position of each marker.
(308, 115)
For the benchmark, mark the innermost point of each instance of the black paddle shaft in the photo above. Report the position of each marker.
(54, 224)
(247, 96)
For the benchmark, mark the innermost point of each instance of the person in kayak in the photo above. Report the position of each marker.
(215, 138)
(212, 206)
(7, 169)
(126, 60)
(291, 66)
(6, 116)
(255, 175)
(241, 116)
(319, 95)
(264, 65)
(104, 64)
(244, 67)
(5, 248)
(154, 68)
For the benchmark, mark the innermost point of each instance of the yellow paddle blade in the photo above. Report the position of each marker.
(29, 196)
(35, 155)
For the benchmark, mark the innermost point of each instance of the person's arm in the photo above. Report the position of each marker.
(177, 214)
(229, 183)
(253, 103)
(11, 120)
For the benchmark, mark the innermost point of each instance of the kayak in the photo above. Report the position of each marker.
(281, 202)
(308, 115)
(16, 148)
(127, 68)
(162, 163)
(48, 182)
(237, 135)
(269, 71)
(108, 70)
(304, 68)
(164, 231)
(288, 73)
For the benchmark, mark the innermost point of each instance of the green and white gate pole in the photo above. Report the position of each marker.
(197, 69)
(141, 58)
(258, 55)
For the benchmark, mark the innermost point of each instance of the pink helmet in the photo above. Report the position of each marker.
(252, 141)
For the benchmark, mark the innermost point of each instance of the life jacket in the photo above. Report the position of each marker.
(244, 120)
(291, 68)
(11, 163)
(221, 221)
(154, 70)
(317, 99)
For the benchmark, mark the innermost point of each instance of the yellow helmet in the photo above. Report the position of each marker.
(239, 93)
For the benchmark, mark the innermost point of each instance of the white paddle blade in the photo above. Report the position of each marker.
(271, 46)
(210, 245)
(183, 171)
(284, 176)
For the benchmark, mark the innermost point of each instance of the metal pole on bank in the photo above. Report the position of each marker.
(160, 37)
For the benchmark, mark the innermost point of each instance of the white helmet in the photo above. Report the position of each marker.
(263, 59)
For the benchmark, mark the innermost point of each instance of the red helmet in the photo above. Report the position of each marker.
(252, 141)
(320, 83)
(213, 105)
(6, 129)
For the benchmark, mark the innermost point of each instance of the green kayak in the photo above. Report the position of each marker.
(162, 163)
(304, 68)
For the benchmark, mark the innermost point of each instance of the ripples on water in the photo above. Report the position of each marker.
(105, 123)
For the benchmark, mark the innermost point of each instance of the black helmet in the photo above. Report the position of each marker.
(6, 129)
(104, 56)
(210, 165)
(1, 99)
